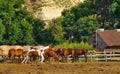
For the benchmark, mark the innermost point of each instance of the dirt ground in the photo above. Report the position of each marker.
(62, 68)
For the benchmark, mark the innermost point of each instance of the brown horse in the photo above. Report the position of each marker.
(82, 51)
(63, 52)
(33, 55)
(50, 53)
(15, 53)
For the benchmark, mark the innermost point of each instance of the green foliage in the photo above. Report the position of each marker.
(17, 26)
(85, 27)
(16, 23)
(113, 7)
(79, 22)
(38, 31)
(107, 12)
(75, 46)
(2, 31)
(56, 30)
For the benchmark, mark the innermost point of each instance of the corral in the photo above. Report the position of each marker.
(92, 55)
(98, 63)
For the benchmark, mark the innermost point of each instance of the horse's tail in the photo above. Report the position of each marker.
(9, 54)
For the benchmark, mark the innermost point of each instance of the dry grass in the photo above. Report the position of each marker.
(62, 68)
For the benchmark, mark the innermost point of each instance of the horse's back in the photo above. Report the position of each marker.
(33, 53)
(15, 52)
(68, 51)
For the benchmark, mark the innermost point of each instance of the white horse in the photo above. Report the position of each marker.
(40, 53)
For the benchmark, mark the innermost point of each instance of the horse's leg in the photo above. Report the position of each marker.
(45, 58)
(49, 59)
(42, 57)
(18, 58)
(57, 59)
(85, 57)
(31, 58)
(10, 58)
(34, 57)
(74, 55)
(24, 60)
(38, 58)
(62, 58)
(27, 58)
(23, 56)
(66, 59)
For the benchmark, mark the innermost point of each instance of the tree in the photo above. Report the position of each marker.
(56, 30)
(2, 31)
(18, 23)
(77, 21)
(102, 11)
(114, 11)
(39, 31)
(84, 27)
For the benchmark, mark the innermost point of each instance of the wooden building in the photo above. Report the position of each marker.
(106, 40)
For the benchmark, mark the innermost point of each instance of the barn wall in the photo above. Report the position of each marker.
(100, 43)
(92, 40)
(97, 42)
(113, 48)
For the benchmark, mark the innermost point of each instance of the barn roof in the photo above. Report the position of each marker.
(110, 37)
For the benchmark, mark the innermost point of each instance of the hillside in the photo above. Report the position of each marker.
(48, 9)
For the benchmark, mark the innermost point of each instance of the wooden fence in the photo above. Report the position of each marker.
(102, 56)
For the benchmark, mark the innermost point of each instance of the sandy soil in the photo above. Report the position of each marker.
(62, 68)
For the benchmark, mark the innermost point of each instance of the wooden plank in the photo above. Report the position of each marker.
(101, 56)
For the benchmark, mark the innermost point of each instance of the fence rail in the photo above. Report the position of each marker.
(102, 56)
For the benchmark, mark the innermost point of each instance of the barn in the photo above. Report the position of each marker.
(105, 40)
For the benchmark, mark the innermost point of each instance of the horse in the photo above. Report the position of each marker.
(50, 53)
(36, 52)
(12, 53)
(64, 52)
(41, 52)
(33, 53)
(82, 51)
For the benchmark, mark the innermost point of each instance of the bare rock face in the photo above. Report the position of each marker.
(48, 9)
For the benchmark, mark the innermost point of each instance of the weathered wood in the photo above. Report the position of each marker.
(102, 56)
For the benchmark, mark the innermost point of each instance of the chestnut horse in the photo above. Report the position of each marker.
(64, 52)
(82, 51)
(50, 53)
(16, 53)
(33, 53)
